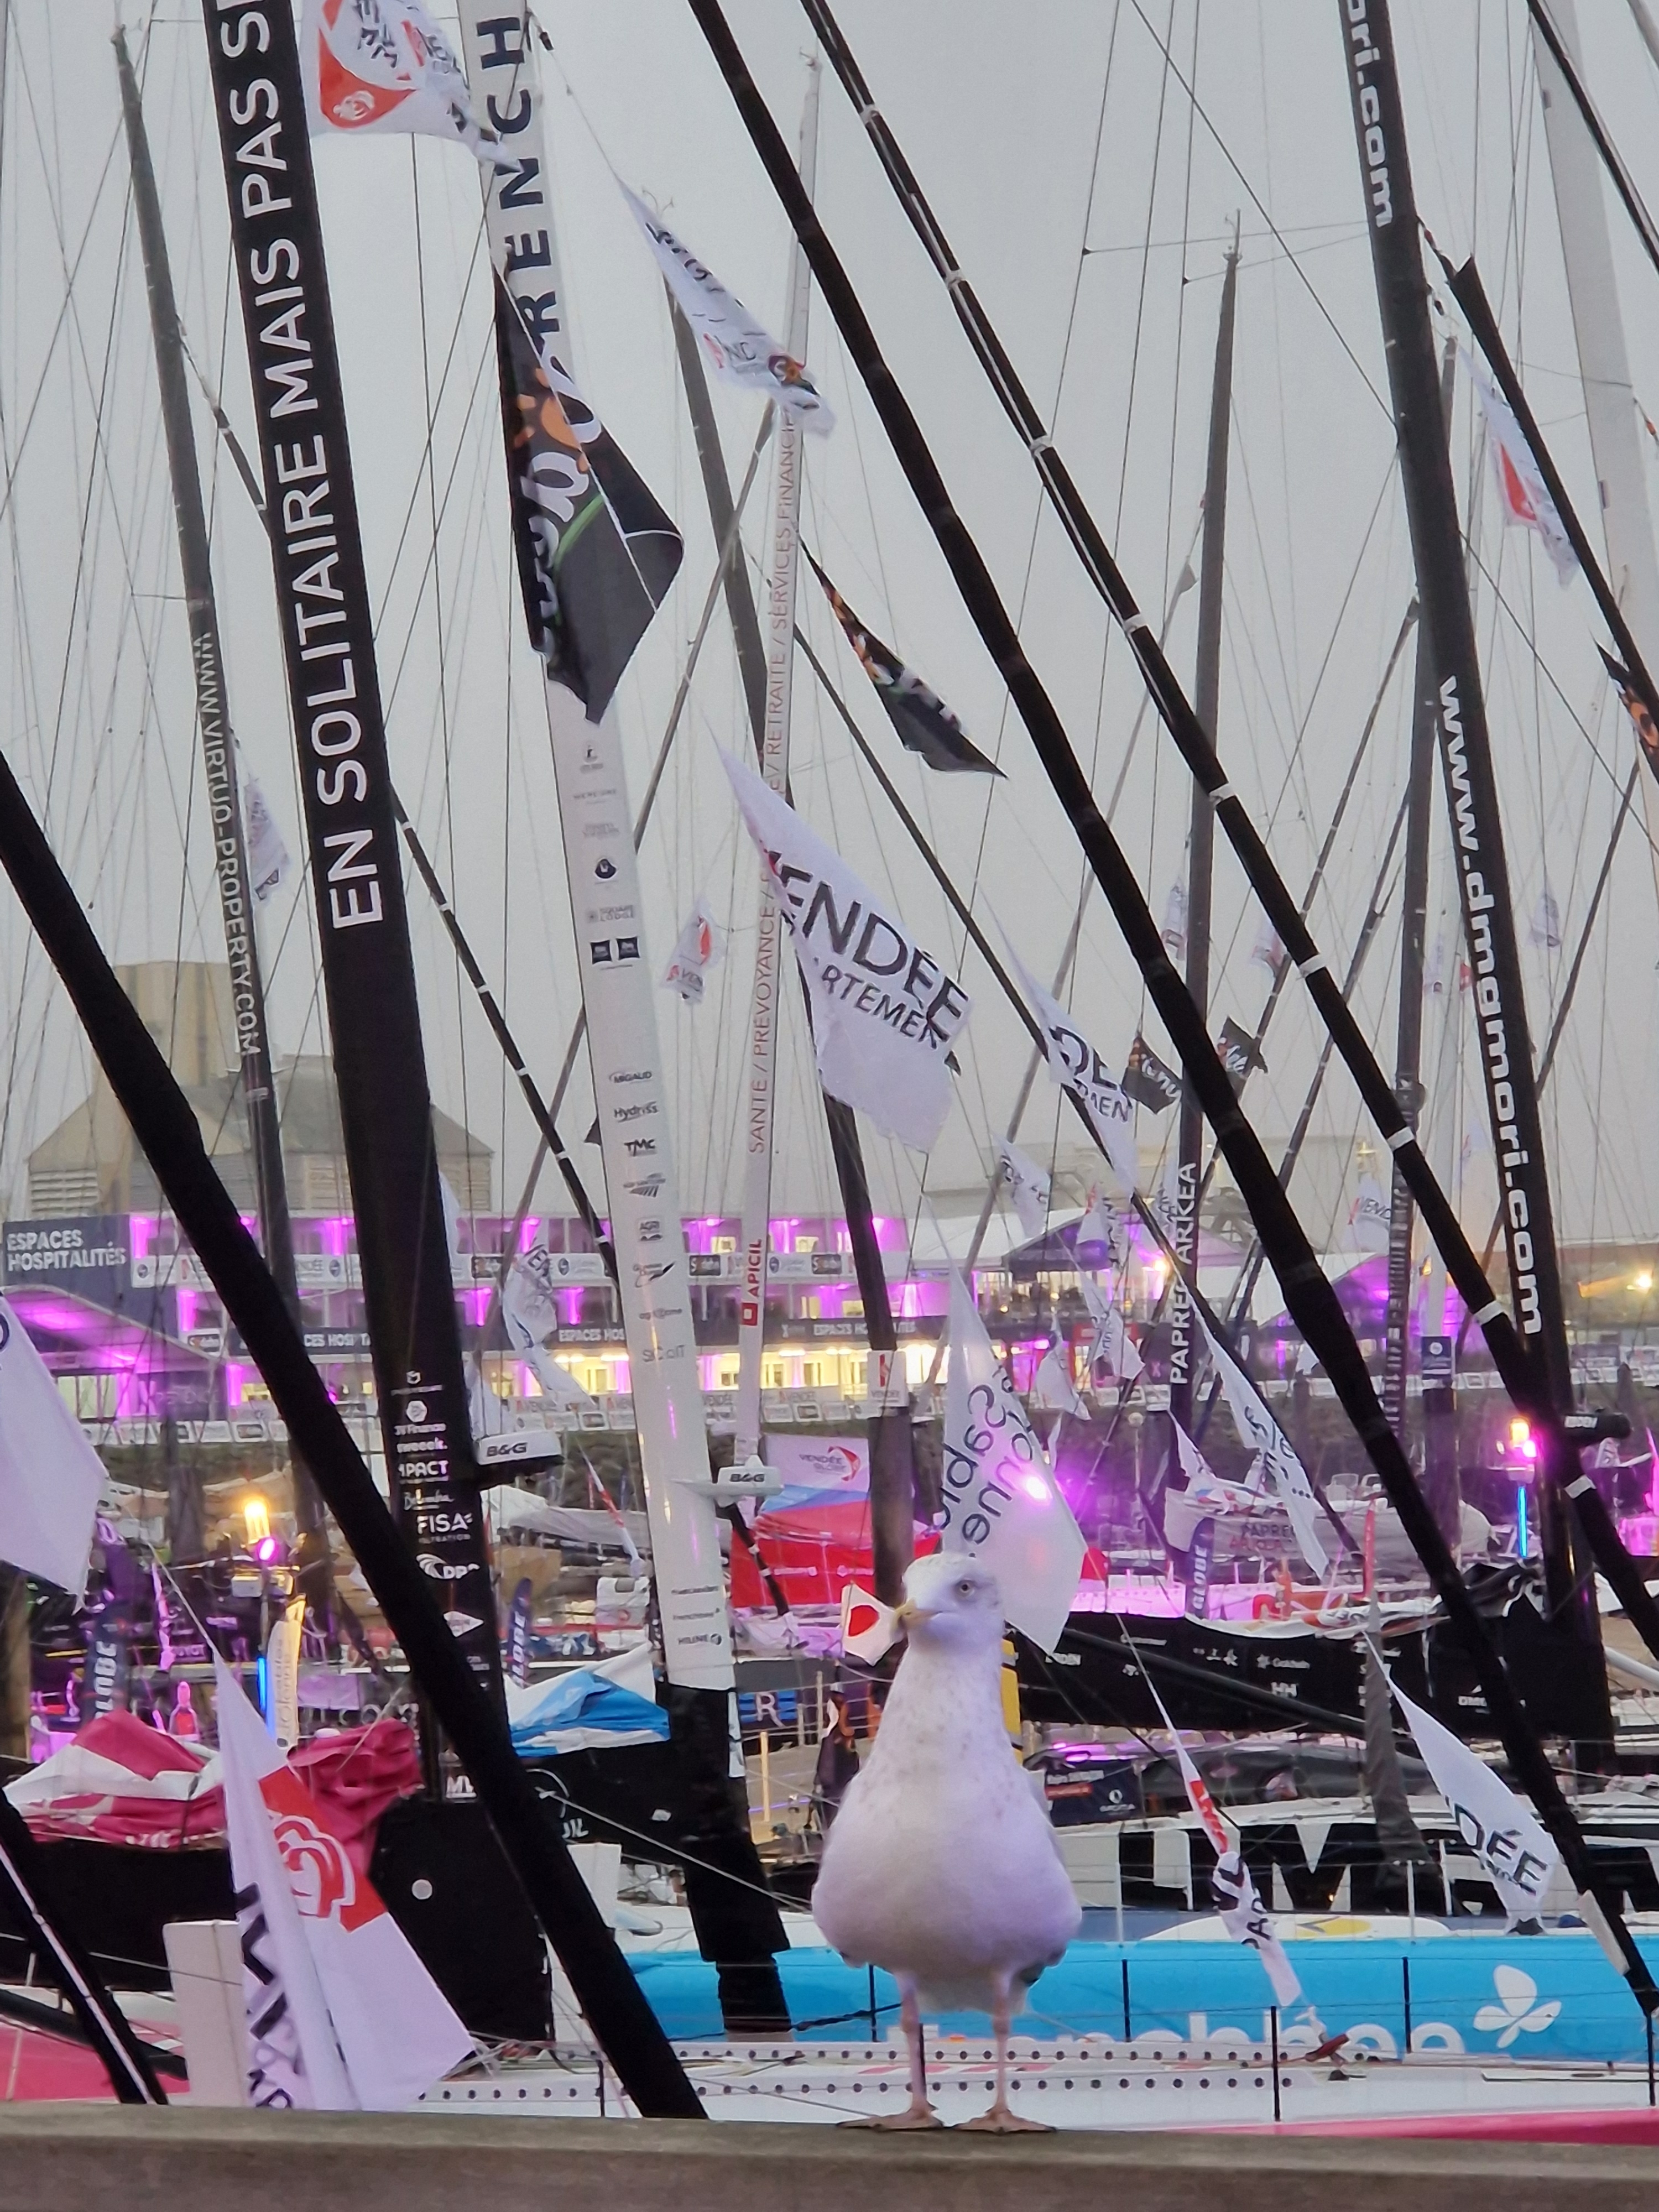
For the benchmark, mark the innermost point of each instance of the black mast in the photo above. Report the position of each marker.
(1439, 1468)
(1506, 1057)
(1200, 847)
(328, 643)
(224, 797)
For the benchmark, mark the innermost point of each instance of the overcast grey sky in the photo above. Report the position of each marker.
(1036, 131)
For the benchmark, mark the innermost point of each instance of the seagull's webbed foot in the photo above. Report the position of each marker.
(1001, 2120)
(915, 2116)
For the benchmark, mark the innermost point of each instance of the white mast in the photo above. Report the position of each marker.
(1610, 403)
(761, 1093)
(618, 992)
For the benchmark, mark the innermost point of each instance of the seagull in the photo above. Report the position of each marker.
(941, 1866)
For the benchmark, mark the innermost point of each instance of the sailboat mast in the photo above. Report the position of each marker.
(778, 633)
(1408, 1036)
(327, 626)
(1506, 1056)
(1200, 846)
(223, 787)
(1611, 409)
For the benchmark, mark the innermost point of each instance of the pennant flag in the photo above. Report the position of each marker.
(1174, 932)
(1636, 707)
(1025, 1183)
(51, 1478)
(1148, 1080)
(529, 1313)
(869, 1629)
(1545, 927)
(1232, 1884)
(1369, 1216)
(1521, 490)
(374, 66)
(884, 1012)
(1516, 1852)
(1267, 952)
(1113, 1357)
(923, 723)
(268, 861)
(341, 2015)
(1102, 1227)
(1258, 1428)
(739, 350)
(1001, 1500)
(700, 946)
(1238, 1051)
(596, 553)
(1078, 1067)
(1052, 1387)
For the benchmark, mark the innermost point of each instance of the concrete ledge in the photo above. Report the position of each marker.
(58, 2156)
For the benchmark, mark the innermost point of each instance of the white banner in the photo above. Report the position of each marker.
(1001, 1500)
(1078, 1067)
(1052, 1390)
(884, 1012)
(1113, 1347)
(374, 66)
(1233, 1882)
(268, 860)
(1103, 1225)
(529, 1313)
(602, 872)
(51, 1478)
(386, 2032)
(700, 946)
(1026, 1184)
(294, 2059)
(1501, 1830)
(736, 346)
(1522, 491)
(1258, 1428)
(1205, 1498)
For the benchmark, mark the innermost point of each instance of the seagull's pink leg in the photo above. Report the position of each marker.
(919, 2113)
(1001, 2120)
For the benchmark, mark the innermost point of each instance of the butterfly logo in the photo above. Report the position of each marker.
(1518, 2013)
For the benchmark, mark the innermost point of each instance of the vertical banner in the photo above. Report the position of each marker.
(328, 645)
(602, 870)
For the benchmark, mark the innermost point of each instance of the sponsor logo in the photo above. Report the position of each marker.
(442, 1571)
(1517, 2011)
(649, 1233)
(651, 1271)
(599, 951)
(640, 1147)
(462, 1624)
(605, 868)
(627, 948)
(642, 1112)
(415, 1409)
(648, 1186)
(600, 829)
(633, 1075)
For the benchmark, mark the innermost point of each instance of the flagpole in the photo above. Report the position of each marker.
(737, 1923)
(1200, 836)
(760, 1097)
(1440, 1472)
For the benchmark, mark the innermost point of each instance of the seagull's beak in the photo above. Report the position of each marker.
(910, 1613)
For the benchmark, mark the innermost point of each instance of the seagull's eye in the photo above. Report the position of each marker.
(964, 1589)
